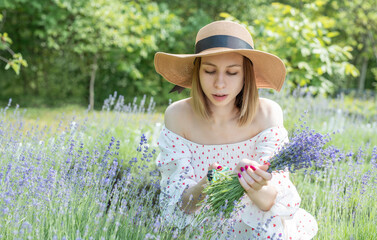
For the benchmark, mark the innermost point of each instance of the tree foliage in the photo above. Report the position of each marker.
(94, 29)
(356, 23)
(70, 45)
(359, 31)
(98, 36)
(305, 44)
(15, 61)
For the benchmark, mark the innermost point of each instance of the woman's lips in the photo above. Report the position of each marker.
(219, 97)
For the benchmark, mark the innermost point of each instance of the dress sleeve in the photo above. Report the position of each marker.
(177, 174)
(287, 200)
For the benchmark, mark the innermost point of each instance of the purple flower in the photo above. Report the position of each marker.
(306, 149)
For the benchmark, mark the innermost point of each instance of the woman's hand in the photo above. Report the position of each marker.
(193, 195)
(255, 180)
(252, 176)
(211, 168)
(214, 166)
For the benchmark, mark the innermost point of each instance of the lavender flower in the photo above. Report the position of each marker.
(305, 150)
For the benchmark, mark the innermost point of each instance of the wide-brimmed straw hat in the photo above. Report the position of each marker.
(217, 38)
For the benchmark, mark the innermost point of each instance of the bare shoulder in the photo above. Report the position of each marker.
(270, 113)
(176, 116)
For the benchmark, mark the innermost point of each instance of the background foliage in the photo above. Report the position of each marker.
(327, 45)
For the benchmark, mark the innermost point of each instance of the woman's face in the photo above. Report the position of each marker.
(222, 77)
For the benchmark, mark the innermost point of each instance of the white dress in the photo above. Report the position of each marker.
(183, 163)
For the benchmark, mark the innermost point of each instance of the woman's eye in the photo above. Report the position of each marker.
(209, 72)
(232, 73)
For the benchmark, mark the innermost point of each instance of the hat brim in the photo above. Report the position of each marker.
(269, 69)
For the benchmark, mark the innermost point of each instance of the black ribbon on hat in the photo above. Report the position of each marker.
(177, 88)
(221, 41)
(214, 42)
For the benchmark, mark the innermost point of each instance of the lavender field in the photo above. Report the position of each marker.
(73, 174)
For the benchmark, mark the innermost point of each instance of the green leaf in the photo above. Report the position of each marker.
(303, 65)
(303, 82)
(351, 70)
(23, 62)
(305, 51)
(16, 68)
(225, 15)
(332, 34)
(320, 3)
(320, 71)
(348, 55)
(5, 38)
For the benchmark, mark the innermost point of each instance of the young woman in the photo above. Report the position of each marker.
(225, 124)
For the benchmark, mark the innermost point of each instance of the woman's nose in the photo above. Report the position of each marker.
(220, 81)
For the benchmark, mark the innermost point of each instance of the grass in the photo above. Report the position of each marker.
(61, 168)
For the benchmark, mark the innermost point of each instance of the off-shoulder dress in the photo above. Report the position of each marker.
(183, 163)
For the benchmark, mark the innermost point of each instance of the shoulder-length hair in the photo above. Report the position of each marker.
(247, 101)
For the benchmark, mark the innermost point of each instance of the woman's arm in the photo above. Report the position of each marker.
(255, 180)
(264, 198)
(194, 194)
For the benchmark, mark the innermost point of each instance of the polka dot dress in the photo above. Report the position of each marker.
(184, 163)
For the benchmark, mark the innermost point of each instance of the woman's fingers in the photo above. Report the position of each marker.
(256, 177)
(264, 167)
(249, 181)
(215, 166)
(258, 174)
(244, 184)
(252, 175)
(265, 175)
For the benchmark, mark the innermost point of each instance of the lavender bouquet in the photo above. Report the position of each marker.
(306, 149)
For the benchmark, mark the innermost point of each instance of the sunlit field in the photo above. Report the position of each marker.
(72, 174)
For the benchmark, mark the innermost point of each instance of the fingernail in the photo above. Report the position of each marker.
(246, 167)
(252, 167)
(219, 167)
(267, 163)
(242, 169)
(239, 175)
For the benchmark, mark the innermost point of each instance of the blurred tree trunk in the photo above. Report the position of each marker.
(92, 80)
(364, 65)
(363, 74)
(373, 43)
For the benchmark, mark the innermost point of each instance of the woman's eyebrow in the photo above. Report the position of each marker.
(207, 63)
(233, 65)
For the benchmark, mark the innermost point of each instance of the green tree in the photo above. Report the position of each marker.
(70, 45)
(95, 29)
(305, 44)
(15, 61)
(356, 23)
(360, 31)
(90, 38)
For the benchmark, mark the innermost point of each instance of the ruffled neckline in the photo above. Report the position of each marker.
(224, 144)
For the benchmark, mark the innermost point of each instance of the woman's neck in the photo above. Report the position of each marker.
(223, 115)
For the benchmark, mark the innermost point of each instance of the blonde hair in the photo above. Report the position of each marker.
(247, 101)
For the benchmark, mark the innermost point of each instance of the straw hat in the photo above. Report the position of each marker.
(217, 38)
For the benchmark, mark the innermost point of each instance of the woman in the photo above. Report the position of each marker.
(225, 124)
